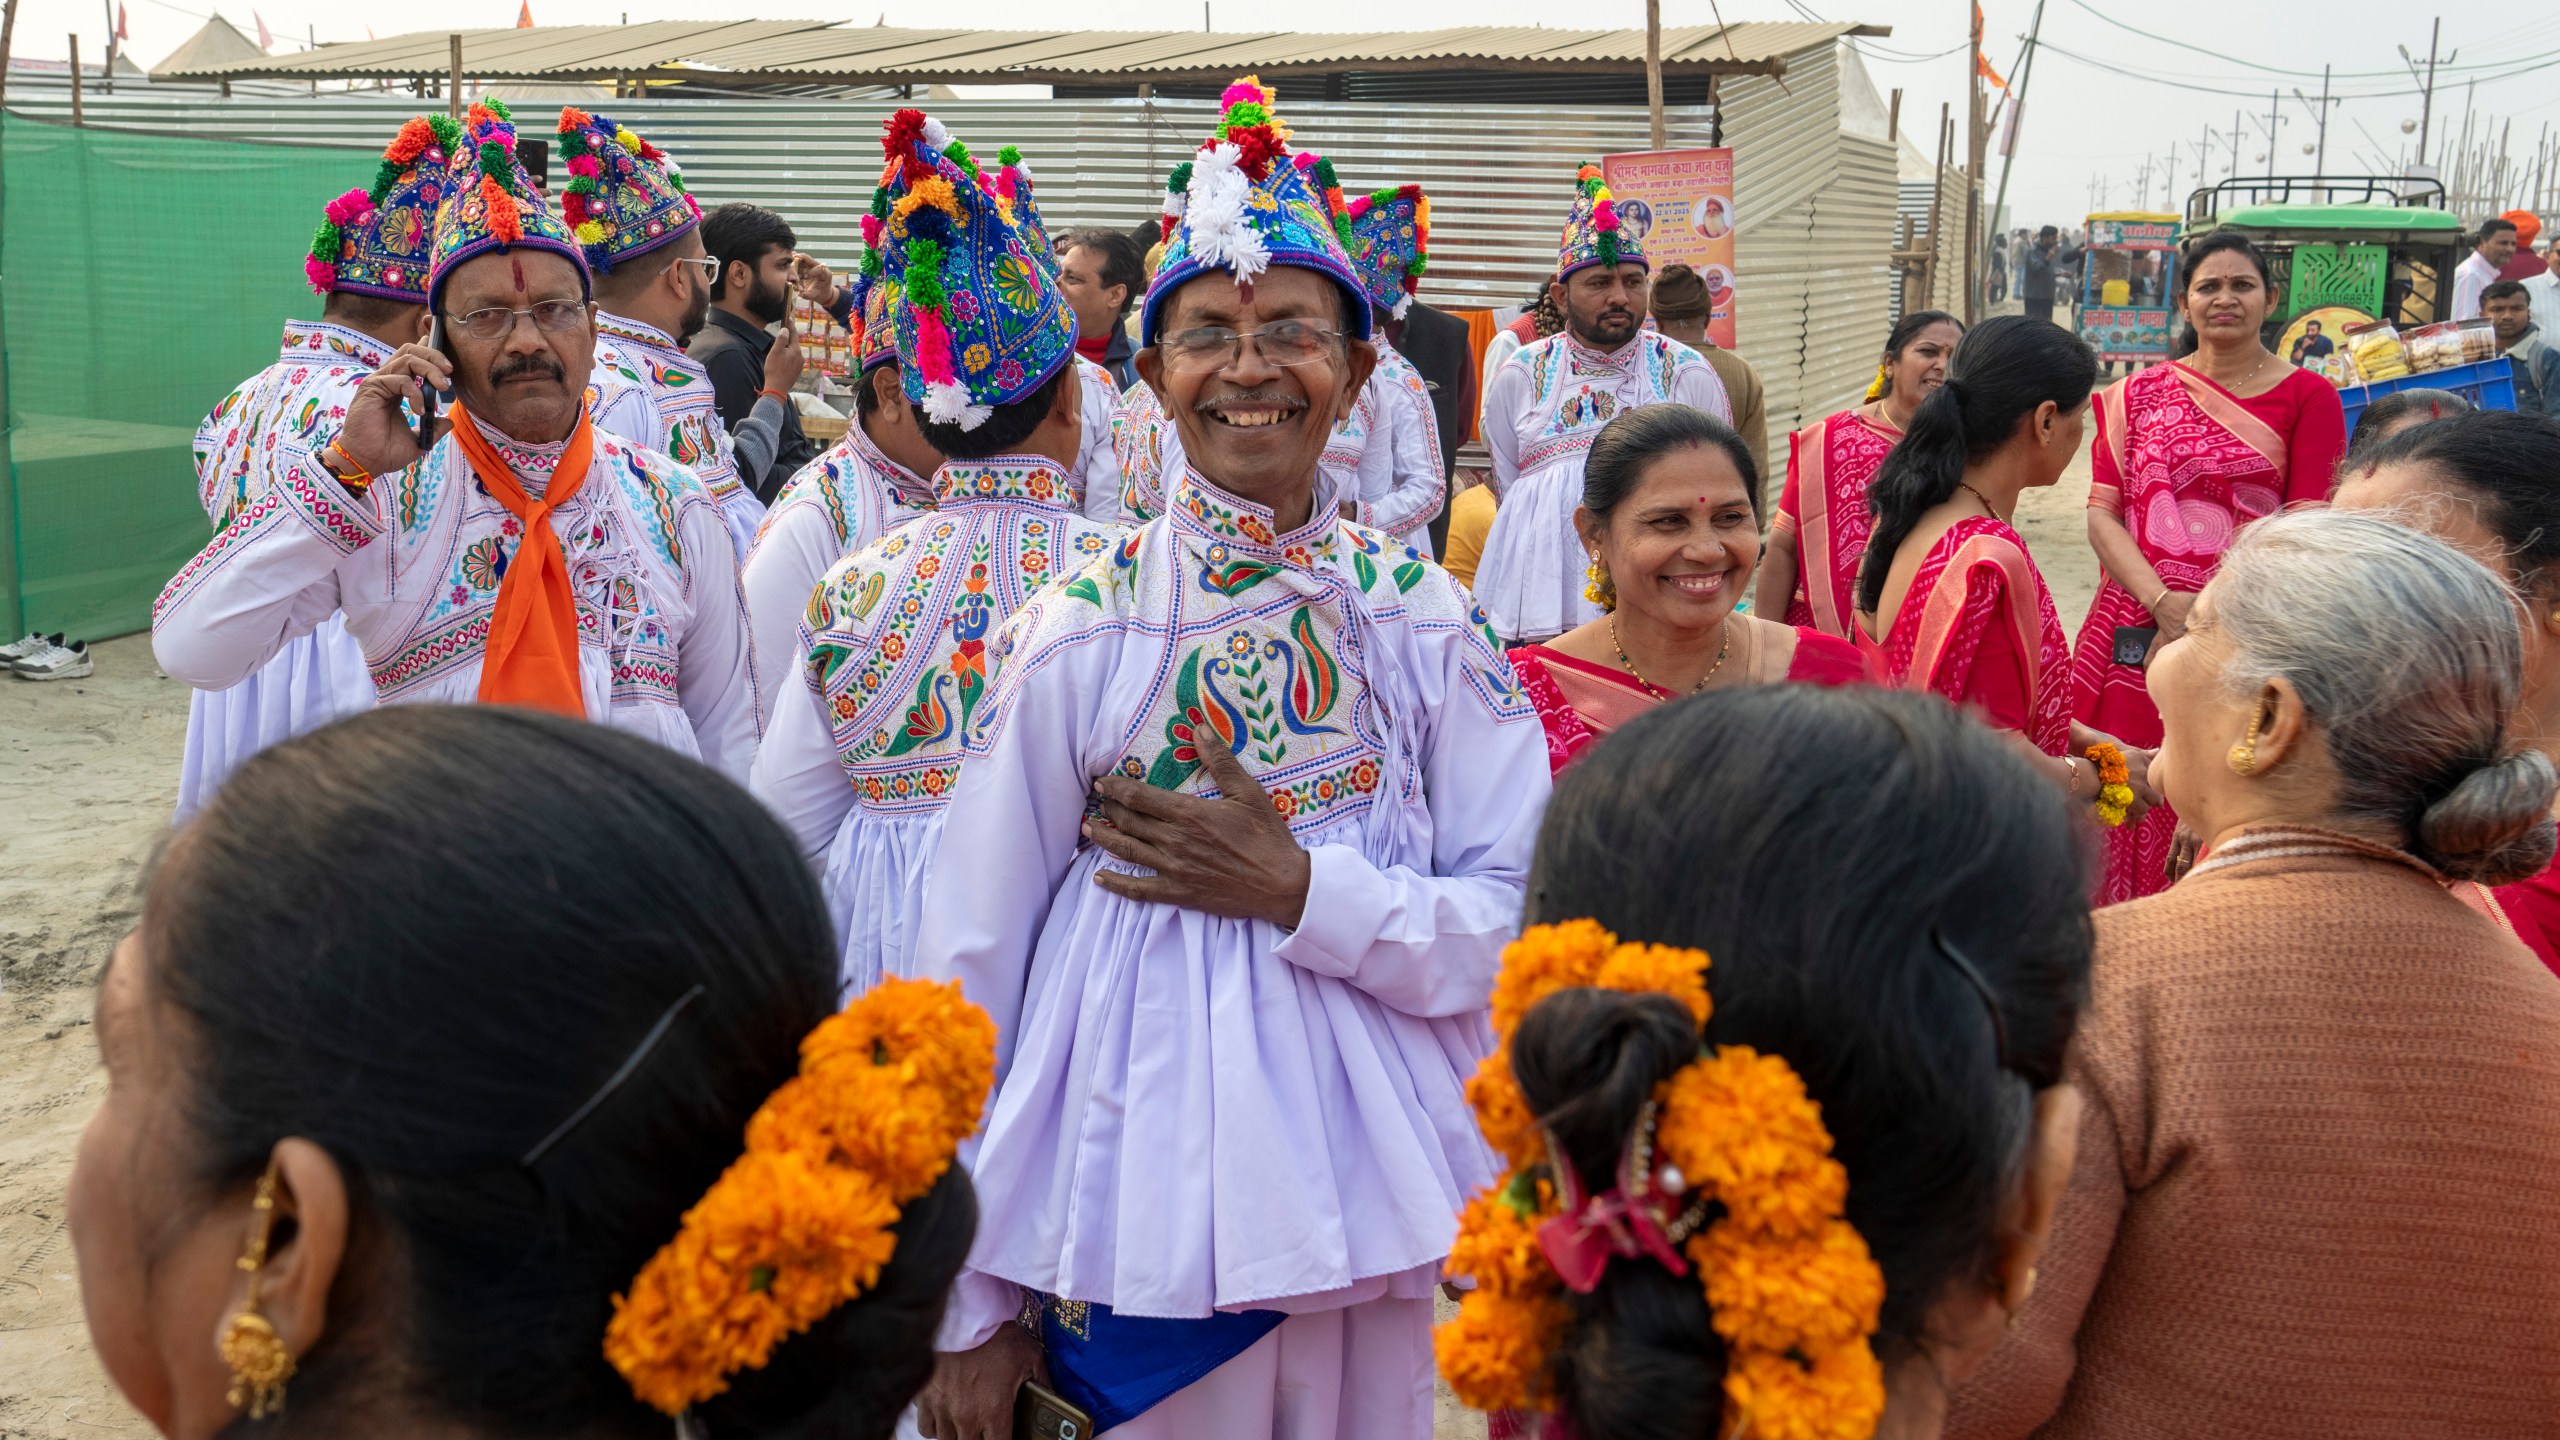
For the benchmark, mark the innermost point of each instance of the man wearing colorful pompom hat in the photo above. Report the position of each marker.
(368, 262)
(525, 557)
(1546, 404)
(1402, 484)
(855, 491)
(894, 662)
(1244, 825)
(627, 204)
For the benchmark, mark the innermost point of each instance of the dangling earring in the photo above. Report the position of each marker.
(2244, 756)
(259, 1362)
(1600, 590)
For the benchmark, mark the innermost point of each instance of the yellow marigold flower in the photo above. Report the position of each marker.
(1740, 1123)
(1659, 970)
(1497, 1246)
(1545, 959)
(1841, 1397)
(1494, 1354)
(1502, 1112)
(776, 1244)
(1808, 1295)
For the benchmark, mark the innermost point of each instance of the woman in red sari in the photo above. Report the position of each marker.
(2488, 483)
(1821, 529)
(1948, 599)
(1671, 518)
(2186, 454)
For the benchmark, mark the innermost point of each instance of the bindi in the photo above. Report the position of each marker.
(516, 263)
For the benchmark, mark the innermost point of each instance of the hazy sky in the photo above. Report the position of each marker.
(2081, 120)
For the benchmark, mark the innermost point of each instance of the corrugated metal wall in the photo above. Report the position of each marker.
(1816, 205)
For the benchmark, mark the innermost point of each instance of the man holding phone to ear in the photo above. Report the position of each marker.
(525, 556)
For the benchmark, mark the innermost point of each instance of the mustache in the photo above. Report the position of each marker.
(536, 364)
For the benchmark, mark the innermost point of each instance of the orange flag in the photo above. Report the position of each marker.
(1982, 62)
(524, 15)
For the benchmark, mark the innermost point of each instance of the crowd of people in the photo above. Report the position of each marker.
(1057, 913)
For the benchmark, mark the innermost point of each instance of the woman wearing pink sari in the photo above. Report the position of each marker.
(1949, 601)
(2186, 454)
(1670, 517)
(1821, 530)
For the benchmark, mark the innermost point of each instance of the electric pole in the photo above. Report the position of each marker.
(2320, 113)
(2426, 85)
(2018, 114)
(2235, 144)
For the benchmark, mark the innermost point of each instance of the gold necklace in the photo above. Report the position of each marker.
(1723, 649)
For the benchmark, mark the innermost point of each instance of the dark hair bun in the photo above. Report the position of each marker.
(2495, 825)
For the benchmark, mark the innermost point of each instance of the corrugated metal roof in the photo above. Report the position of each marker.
(799, 51)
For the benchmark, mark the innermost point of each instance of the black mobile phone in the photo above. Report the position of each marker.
(1040, 1413)
(2133, 644)
(430, 396)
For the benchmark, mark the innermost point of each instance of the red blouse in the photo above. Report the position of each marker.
(1602, 699)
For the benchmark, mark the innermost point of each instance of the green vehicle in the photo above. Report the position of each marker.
(2370, 247)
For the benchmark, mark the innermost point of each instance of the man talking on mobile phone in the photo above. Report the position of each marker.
(525, 557)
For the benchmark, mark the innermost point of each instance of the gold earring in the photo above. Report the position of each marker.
(1600, 590)
(259, 1362)
(2244, 756)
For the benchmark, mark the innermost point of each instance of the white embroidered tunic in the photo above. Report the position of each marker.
(848, 497)
(1542, 410)
(866, 742)
(651, 393)
(296, 403)
(1402, 485)
(415, 566)
(1097, 470)
(1195, 1112)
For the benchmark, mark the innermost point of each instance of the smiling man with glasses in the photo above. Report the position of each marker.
(518, 554)
(1240, 834)
(626, 202)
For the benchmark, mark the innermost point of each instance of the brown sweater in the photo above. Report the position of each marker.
(2318, 1190)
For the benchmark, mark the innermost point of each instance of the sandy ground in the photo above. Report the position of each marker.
(91, 771)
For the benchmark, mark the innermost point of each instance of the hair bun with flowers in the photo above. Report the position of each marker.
(374, 241)
(1246, 202)
(887, 1090)
(1592, 233)
(625, 196)
(983, 322)
(1730, 1157)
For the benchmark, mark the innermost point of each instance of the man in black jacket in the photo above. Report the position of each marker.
(1436, 342)
(757, 267)
(2036, 271)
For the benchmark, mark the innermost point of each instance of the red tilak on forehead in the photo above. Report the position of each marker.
(516, 263)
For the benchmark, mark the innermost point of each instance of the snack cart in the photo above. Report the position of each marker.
(2128, 280)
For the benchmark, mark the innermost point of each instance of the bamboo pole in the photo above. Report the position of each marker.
(1653, 72)
(453, 89)
(76, 117)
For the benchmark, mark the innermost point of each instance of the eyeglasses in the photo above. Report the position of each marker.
(710, 266)
(559, 317)
(1214, 347)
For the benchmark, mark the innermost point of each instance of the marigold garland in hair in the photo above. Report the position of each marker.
(2115, 783)
(801, 1223)
(1791, 1286)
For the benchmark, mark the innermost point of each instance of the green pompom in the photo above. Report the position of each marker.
(1608, 248)
(494, 160)
(880, 202)
(958, 154)
(1009, 155)
(1325, 178)
(584, 185)
(498, 108)
(873, 264)
(324, 242)
(1420, 263)
(1180, 180)
(385, 175)
(1244, 114)
(924, 275)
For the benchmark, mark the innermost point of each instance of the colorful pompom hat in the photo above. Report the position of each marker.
(1012, 180)
(375, 242)
(1391, 243)
(983, 322)
(1245, 203)
(1591, 233)
(876, 303)
(626, 196)
(490, 203)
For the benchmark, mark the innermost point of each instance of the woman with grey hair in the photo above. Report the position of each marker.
(2318, 1184)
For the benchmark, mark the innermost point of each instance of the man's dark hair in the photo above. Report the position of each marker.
(2491, 227)
(2048, 233)
(360, 311)
(866, 400)
(1123, 263)
(1004, 430)
(2505, 290)
(635, 273)
(1148, 234)
(740, 231)
(2310, 327)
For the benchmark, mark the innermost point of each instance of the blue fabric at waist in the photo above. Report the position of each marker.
(1117, 1367)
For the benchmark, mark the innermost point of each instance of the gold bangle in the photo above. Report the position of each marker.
(2155, 604)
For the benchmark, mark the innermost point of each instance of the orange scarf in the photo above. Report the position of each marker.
(531, 657)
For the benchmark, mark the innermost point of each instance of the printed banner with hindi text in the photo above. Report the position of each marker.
(1679, 206)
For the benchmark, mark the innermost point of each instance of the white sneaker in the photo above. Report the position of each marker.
(56, 662)
(17, 650)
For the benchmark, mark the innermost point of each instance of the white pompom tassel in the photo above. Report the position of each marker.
(948, 404)
(936, 134)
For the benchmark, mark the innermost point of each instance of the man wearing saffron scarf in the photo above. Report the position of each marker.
(892, 661)
(525, 557)
(1243, 826)
(627, 204)
(369, 261)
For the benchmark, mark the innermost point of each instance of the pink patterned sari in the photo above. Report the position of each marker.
(1824, 505)
(1978, 627)
(2184, 465)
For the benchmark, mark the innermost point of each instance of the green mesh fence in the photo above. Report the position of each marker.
(141, 277)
